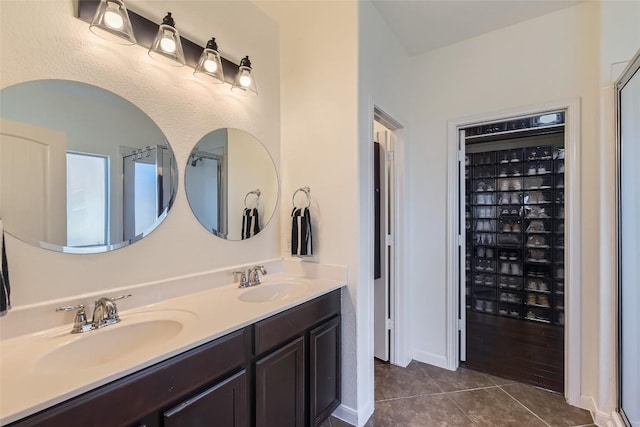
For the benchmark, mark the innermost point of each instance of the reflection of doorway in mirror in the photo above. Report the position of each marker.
(87, 199)
(147, 176)
(207, 171)
(32, 182)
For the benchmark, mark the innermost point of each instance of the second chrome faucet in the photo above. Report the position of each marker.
(251, 277)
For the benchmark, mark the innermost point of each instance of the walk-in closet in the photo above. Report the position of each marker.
(514, 252)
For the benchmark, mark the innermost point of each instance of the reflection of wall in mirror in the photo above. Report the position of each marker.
(33, 199)
(250, 168)
(114, 122)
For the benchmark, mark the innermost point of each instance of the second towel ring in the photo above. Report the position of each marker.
(306, 191)
(254, 192)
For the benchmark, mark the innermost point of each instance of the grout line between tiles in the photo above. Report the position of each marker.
(410, 397)
(473, 389)
(524, 406)
(459, 408)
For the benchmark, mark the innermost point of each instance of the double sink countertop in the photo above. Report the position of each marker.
(43, 368)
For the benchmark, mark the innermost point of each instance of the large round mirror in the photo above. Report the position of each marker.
(82, 170)
(231, 184)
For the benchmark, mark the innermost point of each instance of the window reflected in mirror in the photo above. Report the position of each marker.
(82, 169)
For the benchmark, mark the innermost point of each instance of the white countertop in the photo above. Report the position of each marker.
(30, 383)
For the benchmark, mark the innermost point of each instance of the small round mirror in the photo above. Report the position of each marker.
(82, 170)
(231, 184)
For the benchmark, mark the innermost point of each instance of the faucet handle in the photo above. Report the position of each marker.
(243, 278)
(80, 323)
(78, 307)
(120, 297)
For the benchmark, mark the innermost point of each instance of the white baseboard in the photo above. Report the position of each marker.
(616, 420)
(430, 358)
(346, 414)
(600, 418)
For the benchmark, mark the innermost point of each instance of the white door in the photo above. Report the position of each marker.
(384, 243)
(462, 318)
(33, 205)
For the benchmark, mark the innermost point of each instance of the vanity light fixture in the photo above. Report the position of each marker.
(110, 19)
(210, 63)
(245, 83)
(111, 22)
(167, 46)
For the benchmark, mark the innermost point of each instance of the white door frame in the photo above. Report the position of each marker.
(573, 239)
(399, 343)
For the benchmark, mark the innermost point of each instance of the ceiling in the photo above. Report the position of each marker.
(424, 25)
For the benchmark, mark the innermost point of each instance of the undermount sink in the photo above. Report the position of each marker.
(275, 291)
(133, 334)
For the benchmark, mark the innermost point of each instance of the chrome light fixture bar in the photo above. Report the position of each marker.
(145, 35)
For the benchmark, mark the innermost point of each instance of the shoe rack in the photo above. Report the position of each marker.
(515, 233)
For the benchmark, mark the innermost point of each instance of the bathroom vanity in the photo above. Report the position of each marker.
(282, 369)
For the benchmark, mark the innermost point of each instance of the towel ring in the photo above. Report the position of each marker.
(255, 193)
(306, 191)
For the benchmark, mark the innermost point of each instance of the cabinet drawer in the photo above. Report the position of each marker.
(150, 389)
(278, 329)
(223, 405)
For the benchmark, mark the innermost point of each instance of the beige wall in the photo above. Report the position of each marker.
(43, 39)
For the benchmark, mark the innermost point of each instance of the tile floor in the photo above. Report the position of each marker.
(423, 395)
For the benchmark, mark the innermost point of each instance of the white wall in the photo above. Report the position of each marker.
(384, 77)
(319, 55)
(551, 58)
(619, 41)
(43, 39)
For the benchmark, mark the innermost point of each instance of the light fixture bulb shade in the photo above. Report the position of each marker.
(245, 82)
(167, 46)
(111, 22)
(210, 63)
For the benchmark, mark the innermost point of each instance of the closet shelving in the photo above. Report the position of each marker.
(515, 233)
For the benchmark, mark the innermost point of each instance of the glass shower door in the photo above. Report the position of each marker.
(628, 91)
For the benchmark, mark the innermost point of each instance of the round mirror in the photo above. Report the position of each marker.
(231, 184)
(82, 170)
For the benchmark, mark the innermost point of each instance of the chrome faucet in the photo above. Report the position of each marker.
(105, 313)
(244, 283)
(251, 277)
(254, 274)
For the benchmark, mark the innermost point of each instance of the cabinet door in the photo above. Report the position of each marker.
(324, 370)
(223, 405)
(280, 387)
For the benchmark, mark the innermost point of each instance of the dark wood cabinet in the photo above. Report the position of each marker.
(324, 370)
(223, 405)
(280, 385)
(282, 371)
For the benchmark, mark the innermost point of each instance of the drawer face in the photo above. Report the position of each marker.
(149, 389)
(272, 332)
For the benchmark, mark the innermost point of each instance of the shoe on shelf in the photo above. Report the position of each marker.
(515, 269)
(504, 185)
(532, 170)
(542, 170)
(504, 268)
(516, 184)
(515, 198)
(516, 228)
(503, 172)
